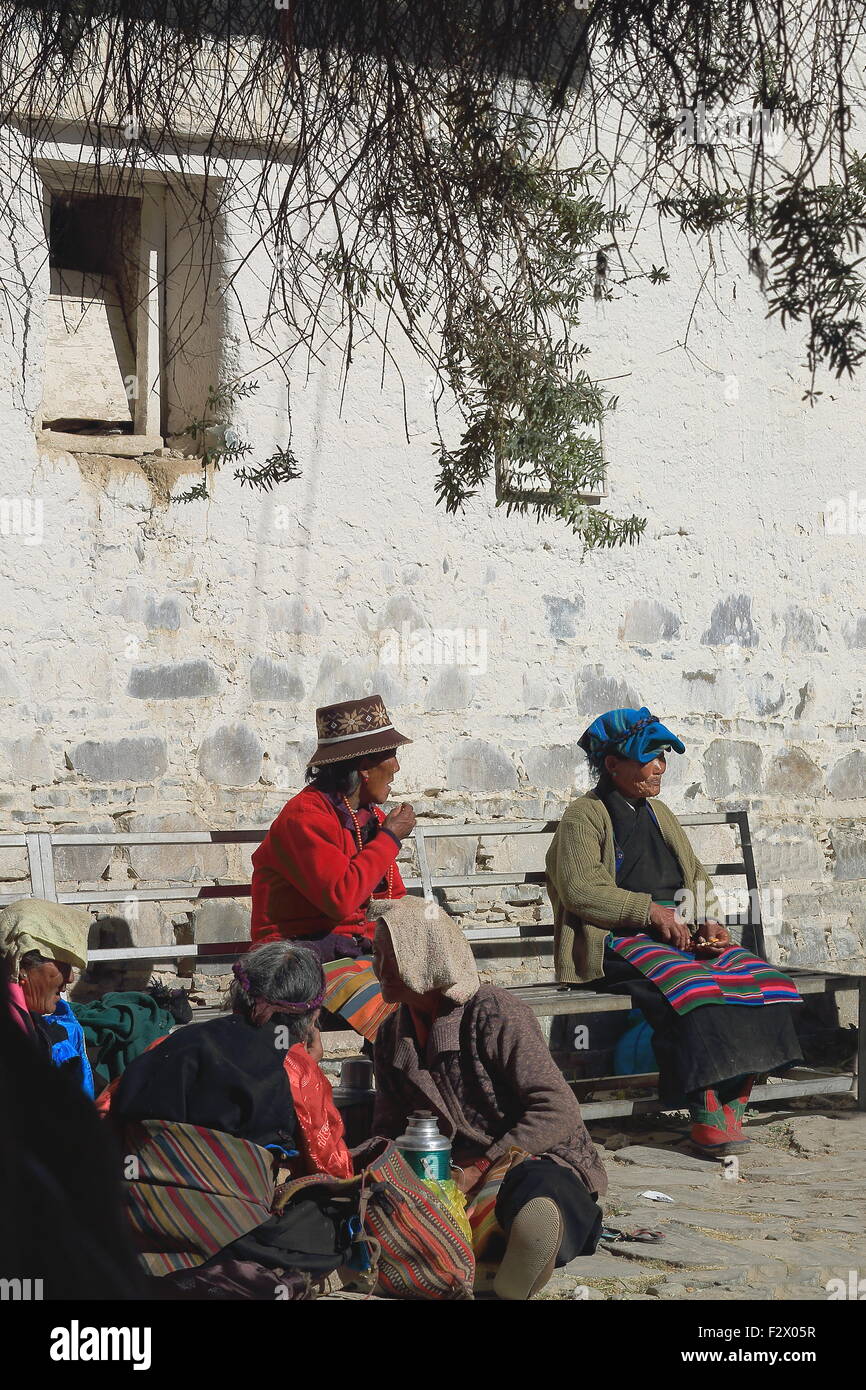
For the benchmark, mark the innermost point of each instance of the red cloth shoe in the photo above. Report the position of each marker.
(718, 1143)
(716, 1129)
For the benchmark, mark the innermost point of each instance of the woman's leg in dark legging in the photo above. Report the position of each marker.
(543, 1177)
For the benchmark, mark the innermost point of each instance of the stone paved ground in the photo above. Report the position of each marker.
(794, 1219)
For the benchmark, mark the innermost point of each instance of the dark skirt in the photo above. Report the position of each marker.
(709, 1045)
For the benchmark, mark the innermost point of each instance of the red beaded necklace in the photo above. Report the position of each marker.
(389, 875)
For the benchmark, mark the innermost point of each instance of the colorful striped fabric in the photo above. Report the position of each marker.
(734, 977)
(423, 1252)
(416, 1243)
(352, 991)
(488, 1237)
(191, 1191)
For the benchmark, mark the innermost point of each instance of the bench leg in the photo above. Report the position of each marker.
(861, 1045)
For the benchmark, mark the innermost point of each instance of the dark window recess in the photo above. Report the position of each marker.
(80, 237)
(93, 255)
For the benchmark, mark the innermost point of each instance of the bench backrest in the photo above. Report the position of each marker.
(40, 846)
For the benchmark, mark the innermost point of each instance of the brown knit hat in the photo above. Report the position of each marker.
(352, 729)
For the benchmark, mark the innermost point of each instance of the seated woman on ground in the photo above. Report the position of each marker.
(634, 908)
(331, 851)
(208, 1111)
(475, 1056)
(41, 943)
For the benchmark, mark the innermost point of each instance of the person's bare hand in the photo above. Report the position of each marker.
(711, 940)
(400, 821)
(467, 1179)
(667, 926)
(315, 1045)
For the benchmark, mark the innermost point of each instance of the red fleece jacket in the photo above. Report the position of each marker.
(309, 878)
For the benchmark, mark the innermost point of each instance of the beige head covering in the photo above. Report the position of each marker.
(55, 930)
(431, 950)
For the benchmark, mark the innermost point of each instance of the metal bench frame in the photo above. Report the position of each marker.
(546, 1000)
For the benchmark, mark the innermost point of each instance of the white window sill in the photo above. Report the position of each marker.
(120, 445)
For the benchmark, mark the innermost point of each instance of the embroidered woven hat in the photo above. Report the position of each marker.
(632, 733)
(352, 729)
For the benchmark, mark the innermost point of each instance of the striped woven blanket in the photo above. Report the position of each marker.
(488, 1238)
(191, 1191)
(352, 991)
(734, 977)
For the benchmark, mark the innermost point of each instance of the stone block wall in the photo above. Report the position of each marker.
(160, 664)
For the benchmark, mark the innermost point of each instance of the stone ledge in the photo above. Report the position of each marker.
(109, 445)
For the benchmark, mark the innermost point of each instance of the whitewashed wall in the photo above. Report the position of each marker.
(161, 664)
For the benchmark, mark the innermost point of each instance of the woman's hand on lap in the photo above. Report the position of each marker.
(666, 926)
(467, 1179)
(711, 940)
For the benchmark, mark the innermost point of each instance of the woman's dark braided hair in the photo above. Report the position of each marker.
(342, 777)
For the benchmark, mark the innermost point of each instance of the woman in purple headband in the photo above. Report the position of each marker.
(635, 909)
(208, 1114)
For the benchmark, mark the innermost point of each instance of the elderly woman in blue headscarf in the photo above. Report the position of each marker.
(635, 909)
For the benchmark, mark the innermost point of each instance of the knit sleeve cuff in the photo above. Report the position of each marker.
(636, 911)
(497, 1150)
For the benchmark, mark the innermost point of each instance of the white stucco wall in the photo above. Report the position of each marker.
(161, 664)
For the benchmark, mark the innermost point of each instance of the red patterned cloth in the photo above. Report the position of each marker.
(320, 1128)
(193, 1192)
(488, 1237)
(310, 878)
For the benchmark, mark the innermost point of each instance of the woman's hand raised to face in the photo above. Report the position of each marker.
(315, 1045)
(665, 925)
(400, 821)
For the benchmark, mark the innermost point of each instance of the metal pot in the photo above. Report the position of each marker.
(356, 1074)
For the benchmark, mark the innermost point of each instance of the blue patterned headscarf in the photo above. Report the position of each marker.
(630, 733)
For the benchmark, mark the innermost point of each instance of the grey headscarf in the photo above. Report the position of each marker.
(430, 949)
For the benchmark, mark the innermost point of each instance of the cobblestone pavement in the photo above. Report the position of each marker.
(790, 1221)
(793, 1219)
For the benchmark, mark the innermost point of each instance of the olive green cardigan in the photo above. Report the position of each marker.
(581, 881)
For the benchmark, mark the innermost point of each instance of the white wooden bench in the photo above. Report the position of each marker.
(546, 999)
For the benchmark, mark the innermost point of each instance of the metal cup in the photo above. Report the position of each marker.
(356, 1074)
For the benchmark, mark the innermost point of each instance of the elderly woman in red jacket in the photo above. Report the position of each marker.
(332, 850)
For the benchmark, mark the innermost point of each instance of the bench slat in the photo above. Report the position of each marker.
(431, 830)
(819, 1085)
(164, 837)
(194, 893)
(152, 895)
(544, 999)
